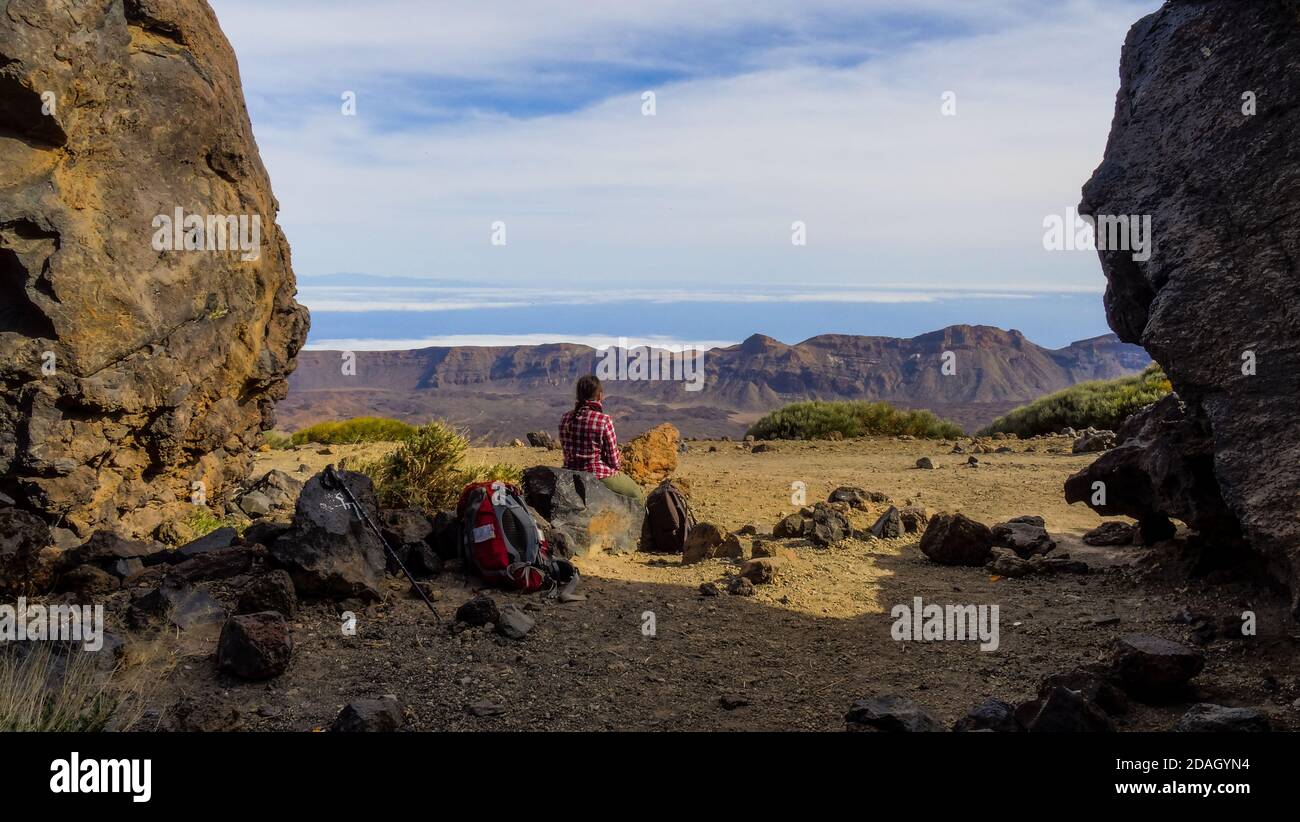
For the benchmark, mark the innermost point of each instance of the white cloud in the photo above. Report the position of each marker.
(890, 190)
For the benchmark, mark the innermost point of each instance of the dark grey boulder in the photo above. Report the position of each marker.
(889, 713)
(1215, 303)
(955, 539)
(578, 505)
(255, 646)
(329, 552)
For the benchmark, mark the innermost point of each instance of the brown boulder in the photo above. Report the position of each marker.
(134, 367)
(652, 457)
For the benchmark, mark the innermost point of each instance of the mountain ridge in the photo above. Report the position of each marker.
(500, 392)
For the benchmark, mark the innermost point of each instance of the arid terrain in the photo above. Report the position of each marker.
(791, 657)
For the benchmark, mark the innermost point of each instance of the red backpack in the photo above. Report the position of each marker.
(500, 541)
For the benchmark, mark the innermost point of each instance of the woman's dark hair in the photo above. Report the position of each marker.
(588, 389)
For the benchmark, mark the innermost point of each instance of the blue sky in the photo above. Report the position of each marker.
(767, 113)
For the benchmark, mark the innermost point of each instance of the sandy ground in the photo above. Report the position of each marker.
(799, 651)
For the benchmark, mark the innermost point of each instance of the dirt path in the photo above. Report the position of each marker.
(798, 651)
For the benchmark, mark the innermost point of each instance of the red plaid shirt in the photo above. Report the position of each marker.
(589, 442)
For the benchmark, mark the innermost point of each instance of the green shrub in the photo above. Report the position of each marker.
(276, 440)
(202, 522)
(426, 470)
(817, 420)
(355, 430)
(1097, 404)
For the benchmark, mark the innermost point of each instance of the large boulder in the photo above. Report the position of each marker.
(135, 370)
(579, 506)
(652, 457)
(955, 539)
(329, 552)
(1203, 141)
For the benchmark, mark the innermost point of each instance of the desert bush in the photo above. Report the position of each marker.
(426, 470)
(276, 440)
(41, 692)
(1097, 404)
(819, 420)
(355, 430)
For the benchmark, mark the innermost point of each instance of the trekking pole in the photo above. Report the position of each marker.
(331, 479)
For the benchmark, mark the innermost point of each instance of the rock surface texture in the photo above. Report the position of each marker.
(131, 368)
(1203, 141)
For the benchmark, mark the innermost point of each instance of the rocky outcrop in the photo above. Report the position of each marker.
(1203, 142)
(132, 368)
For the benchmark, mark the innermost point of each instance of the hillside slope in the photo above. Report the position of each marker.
(501, 392)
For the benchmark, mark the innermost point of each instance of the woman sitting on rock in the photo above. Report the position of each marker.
(589, 442)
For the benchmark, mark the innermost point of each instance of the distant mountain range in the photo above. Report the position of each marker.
(499, 393)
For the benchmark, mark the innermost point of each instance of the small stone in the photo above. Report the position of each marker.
(478, 611)
(369, 716)
(513, 623)
(1204, 717)
(889, 713)
(739, 586)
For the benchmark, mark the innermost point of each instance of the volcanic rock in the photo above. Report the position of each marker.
(1154, 669)
(1109, 534)
(369, 716)
(990, 715)
(707, 541)
(1215, 302)
(542, 439)
(330, 552)
(1025, 535)
(889, 713)
(652, 457)
(856, 497)
(1063, 711)
(955, 539)
(590, 516)
(255, 646)
(889, 525)
(1206, 718)
(136, 370)
(479, 611)
(1092, 441)
(272, 591)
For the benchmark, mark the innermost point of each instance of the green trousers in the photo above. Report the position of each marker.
(625, 486)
